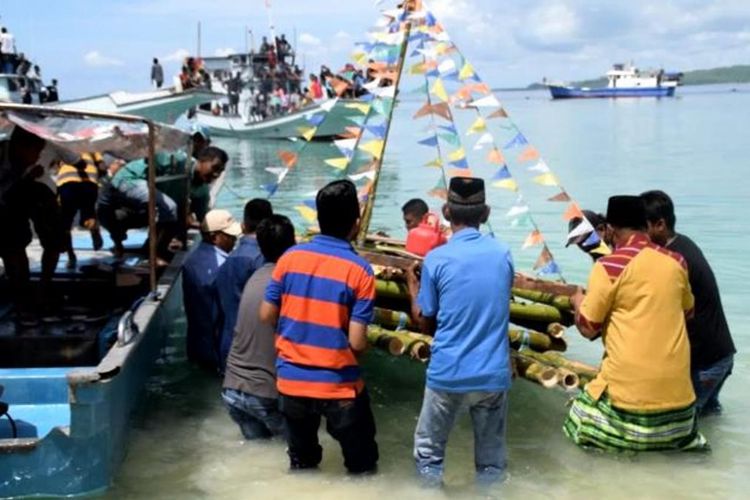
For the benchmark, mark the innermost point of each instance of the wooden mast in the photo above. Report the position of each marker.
(409, 6)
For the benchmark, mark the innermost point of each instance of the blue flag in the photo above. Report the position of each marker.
(502, 173)
(518, 140)
(431, 141)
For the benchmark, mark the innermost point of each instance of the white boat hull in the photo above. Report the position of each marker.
(281, 127)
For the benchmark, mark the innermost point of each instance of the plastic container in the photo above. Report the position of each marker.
(426, 236)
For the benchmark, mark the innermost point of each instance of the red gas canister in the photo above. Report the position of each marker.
(426, 236)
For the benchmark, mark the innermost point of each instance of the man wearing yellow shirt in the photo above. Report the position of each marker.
(637, 300)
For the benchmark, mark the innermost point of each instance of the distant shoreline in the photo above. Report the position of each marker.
(722, 75)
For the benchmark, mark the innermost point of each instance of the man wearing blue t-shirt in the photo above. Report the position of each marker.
(463, 301)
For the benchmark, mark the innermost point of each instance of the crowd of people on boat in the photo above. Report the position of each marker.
(50, 189)
(285, 323)
(28, 75)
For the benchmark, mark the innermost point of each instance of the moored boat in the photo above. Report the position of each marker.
(70, 383)
(623, 81)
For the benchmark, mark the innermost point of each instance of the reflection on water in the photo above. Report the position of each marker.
(185, 446)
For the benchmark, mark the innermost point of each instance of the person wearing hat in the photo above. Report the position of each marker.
(220, 232)
(591, 242)
(462, 300)
(637, 301)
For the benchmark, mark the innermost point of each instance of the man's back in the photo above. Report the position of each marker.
(320, 287)
(643, 292)
(708, 330)
(467, 283)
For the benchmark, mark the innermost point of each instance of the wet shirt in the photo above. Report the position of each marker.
(251, 363)
(319, 288)
(137, 170)
(638, 295)
(465, 285)
(230, 282)
(201, 302)
(710, 340)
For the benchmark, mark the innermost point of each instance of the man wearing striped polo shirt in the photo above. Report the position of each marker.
(320, 298)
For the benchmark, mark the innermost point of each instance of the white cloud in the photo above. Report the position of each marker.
(342, 35)
(224, 51)
(96, 59)
(178, 55)
(309, 40)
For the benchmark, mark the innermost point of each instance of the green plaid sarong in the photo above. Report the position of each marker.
(598, 424)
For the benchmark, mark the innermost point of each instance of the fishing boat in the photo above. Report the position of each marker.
(69, 385)
(623, 81)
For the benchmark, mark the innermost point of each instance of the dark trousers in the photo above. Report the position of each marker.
(348, 421)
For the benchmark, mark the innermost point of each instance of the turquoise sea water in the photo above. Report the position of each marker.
(694, 147)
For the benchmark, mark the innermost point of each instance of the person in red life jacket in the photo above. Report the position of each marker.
(316, 91)
(321, 299)
(425, 230)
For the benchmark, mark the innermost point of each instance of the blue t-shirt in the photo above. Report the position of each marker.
(466, 285)
(230, 281)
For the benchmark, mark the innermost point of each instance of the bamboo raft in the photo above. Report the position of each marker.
(540, 312)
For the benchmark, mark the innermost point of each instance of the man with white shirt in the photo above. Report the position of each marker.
(220, 232)
(8, 50)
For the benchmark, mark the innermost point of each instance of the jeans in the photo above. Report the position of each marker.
(348, 421)
(488, 412)
(258, 418)
(136, 194)
(708, 382)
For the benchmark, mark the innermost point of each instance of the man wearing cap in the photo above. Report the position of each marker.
(637, 300)
(463, 301)
(220, 231)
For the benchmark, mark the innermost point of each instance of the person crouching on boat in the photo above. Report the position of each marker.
(78, 189)
(462, 300)
(321, 299)
(637, 300)
(249, 389)
(219, 232)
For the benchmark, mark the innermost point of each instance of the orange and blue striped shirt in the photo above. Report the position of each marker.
(319, 288)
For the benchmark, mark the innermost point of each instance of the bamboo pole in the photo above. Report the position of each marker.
(544, 375)
(585, 372)
(383, 340)
(417, 348)
(556, 330)
(394, 320)
(561, 302)
(367, 213)
(537, 341)
(568, 380)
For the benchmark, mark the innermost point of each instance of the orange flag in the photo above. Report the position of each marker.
(423, 111)
(534, 238)
(351, 132)
(544, 258)
(339, 85)
(495, 156)
(572, 212)
(482, 88)
(500, 113)
(439, 192)
(460, 172)
(530, 153)
(442, 109)
(561, 196)
(289, 158)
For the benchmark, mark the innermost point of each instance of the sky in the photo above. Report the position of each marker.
(99, 46)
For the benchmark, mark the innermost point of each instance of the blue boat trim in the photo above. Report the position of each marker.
(561, 92)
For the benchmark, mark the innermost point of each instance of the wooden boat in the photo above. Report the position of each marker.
(71, 385)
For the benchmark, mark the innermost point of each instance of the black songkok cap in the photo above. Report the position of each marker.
(626, 212)
(466, 191)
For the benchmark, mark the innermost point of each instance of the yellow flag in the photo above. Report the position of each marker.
(467, 71)
(547, 179)
(478, 126)
(602, 249)
(418, 69)
(307, 213)
(360, 58)
(437, 162)
(506, 184)
(375, 148)
(362, 108)
(310, 133)
(439, 90)
(339, 163)
(457, 155)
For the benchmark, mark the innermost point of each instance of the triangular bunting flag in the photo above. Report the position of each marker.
(500, 113)
(307, 213)
(534, 238)
(502, 173)
(446, 66)
(510, 184)
(382, 106)
(440, 190)
(439, 90)
(547, 179)
(362, 108)
(462, 163)
(467, 71)
(572, 212)
(495, 156)
(442, 109)
(523, 220)
(317, 119)
(364, 175)
(458, 154)
(584, 227)
(544, 258)
(377, 130)
(452, 139)
(518, 140)
(374, 147)
(289, 158)
(389, 91)
(478, 126)
(485, 139)
(485, 102)
(346, 146)
(517, 210)
(309, 133)
(340, 163)
(561, 196)
(425, 110)
(461, 172)
(431, 141)
(550, 268)
(437, 162)
(529, 154)
(328, 105)
(540, 167)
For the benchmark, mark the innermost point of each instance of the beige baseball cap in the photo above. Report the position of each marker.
(221, 221)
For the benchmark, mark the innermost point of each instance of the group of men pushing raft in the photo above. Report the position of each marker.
(302, 312)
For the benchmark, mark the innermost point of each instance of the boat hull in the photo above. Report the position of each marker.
(282, 127)
(82, 457)
(560, 92)
(164, 106)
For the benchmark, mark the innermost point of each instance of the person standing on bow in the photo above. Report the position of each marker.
(238, 268)
(462, 300)
(157, 74)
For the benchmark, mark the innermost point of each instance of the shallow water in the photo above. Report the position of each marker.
(694, 147)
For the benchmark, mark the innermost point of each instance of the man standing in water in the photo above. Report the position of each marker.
(321, 299)
(463, 301)
(637, 299)
(250, 381)
(711, 346)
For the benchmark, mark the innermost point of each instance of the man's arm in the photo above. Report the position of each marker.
(268, 313)
(427, 324)
(357, 337)
(588, 329)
